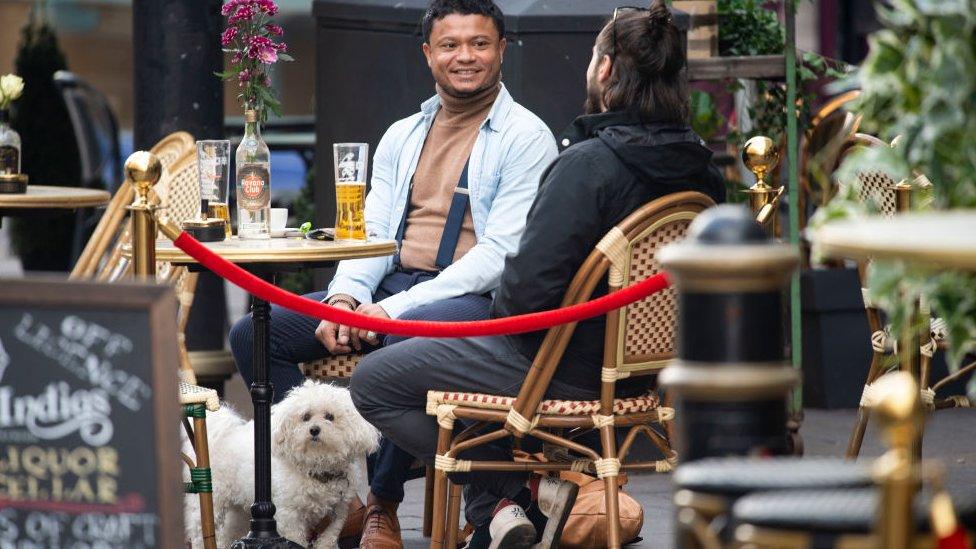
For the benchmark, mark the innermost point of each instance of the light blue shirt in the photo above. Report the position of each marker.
(512, 150)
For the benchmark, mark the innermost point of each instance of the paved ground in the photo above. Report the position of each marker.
(949, 438)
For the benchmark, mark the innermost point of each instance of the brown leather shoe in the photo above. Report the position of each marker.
(381, 529)
(352, 530)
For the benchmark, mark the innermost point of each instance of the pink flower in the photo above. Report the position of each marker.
(262, 49)
(267, 6)
(236, 58)
(243, 13)
(228, 36)
(244, 77)
(274, 29)
(267, 80)
(231, 4)
(282, 47)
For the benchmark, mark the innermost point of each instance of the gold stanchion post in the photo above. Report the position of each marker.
(143, 169)
(761, 157)
(900, 412)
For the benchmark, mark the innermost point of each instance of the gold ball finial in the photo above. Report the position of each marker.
(898, 405)
(144, 170)
(760, 156)
(897, 397)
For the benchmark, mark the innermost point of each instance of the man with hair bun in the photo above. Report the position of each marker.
(633, 145)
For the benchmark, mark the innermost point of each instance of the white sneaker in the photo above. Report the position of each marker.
(556, 499)
(511, 529)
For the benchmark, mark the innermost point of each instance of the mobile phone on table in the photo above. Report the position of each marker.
(325, 233)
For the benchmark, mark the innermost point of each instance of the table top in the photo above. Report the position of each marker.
(44, 196)
(939, 239)
(277, 250)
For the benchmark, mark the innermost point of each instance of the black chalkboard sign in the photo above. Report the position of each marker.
(89, 440)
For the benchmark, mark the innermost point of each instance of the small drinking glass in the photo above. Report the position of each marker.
(213, 164)
(350, 182)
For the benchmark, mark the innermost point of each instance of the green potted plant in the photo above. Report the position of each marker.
(919, 82)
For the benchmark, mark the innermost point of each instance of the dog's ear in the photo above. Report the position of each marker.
(282, 424)
(364, 438)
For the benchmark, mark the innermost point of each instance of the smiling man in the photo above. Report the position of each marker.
(453, 185)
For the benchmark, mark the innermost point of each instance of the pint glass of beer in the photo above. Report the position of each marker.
(213, 165)
(350, 181)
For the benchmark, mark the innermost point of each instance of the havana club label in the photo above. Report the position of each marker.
(255, 193)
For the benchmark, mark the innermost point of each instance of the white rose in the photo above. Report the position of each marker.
(11, 87)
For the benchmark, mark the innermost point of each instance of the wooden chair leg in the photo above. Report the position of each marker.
(202, 450)
(613, 509)
(925, 370)
(453, 516)
(439, 507)
(428, 501)
(863, 414)
(669, 425)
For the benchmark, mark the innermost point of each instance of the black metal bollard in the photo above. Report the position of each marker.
(731, 379)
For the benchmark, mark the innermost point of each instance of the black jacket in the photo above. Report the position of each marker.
(615, 164)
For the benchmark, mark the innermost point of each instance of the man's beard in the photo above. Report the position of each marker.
(594, 99)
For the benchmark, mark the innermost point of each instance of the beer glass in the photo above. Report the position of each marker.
(213, 165)
(350, 182)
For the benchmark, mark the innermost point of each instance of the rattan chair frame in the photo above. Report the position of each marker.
(172, 147)
(881, 353)
(102, 260)
(611, 258)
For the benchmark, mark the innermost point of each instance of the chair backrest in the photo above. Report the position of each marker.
(101, 258)
(640, 337)
(96, 131)
(179, 188)
(820, 149)
(172, 147)
(876, 186)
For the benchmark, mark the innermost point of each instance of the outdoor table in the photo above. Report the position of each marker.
(265, 258)
(44, 197)
(938, 239)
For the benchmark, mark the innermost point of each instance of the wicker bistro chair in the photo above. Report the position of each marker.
(179, 193)
(102, 260)
(821, 148)
(879, 188)
(841, 519)
(639, 340)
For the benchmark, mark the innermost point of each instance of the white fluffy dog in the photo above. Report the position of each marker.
(317, 441)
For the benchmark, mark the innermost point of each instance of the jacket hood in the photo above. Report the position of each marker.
(659, 151)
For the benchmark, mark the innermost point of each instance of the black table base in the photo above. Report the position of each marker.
(264, 529)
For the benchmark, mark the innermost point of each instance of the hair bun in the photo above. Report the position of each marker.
(658, 14)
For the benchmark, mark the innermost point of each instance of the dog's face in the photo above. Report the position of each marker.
(317, 427)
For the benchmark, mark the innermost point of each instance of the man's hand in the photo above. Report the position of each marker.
(333, 336)
(370, 309)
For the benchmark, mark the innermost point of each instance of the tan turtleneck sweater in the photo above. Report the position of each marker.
(448, 146)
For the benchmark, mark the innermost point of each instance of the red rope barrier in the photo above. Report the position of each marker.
(499, 326)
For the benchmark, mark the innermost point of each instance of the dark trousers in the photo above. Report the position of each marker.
(389, 388)
(293, 341)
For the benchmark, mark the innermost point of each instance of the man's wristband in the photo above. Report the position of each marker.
(339, 299)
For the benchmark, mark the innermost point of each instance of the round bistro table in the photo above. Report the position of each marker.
(44, 197)
(940, 240)
(266, 258)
